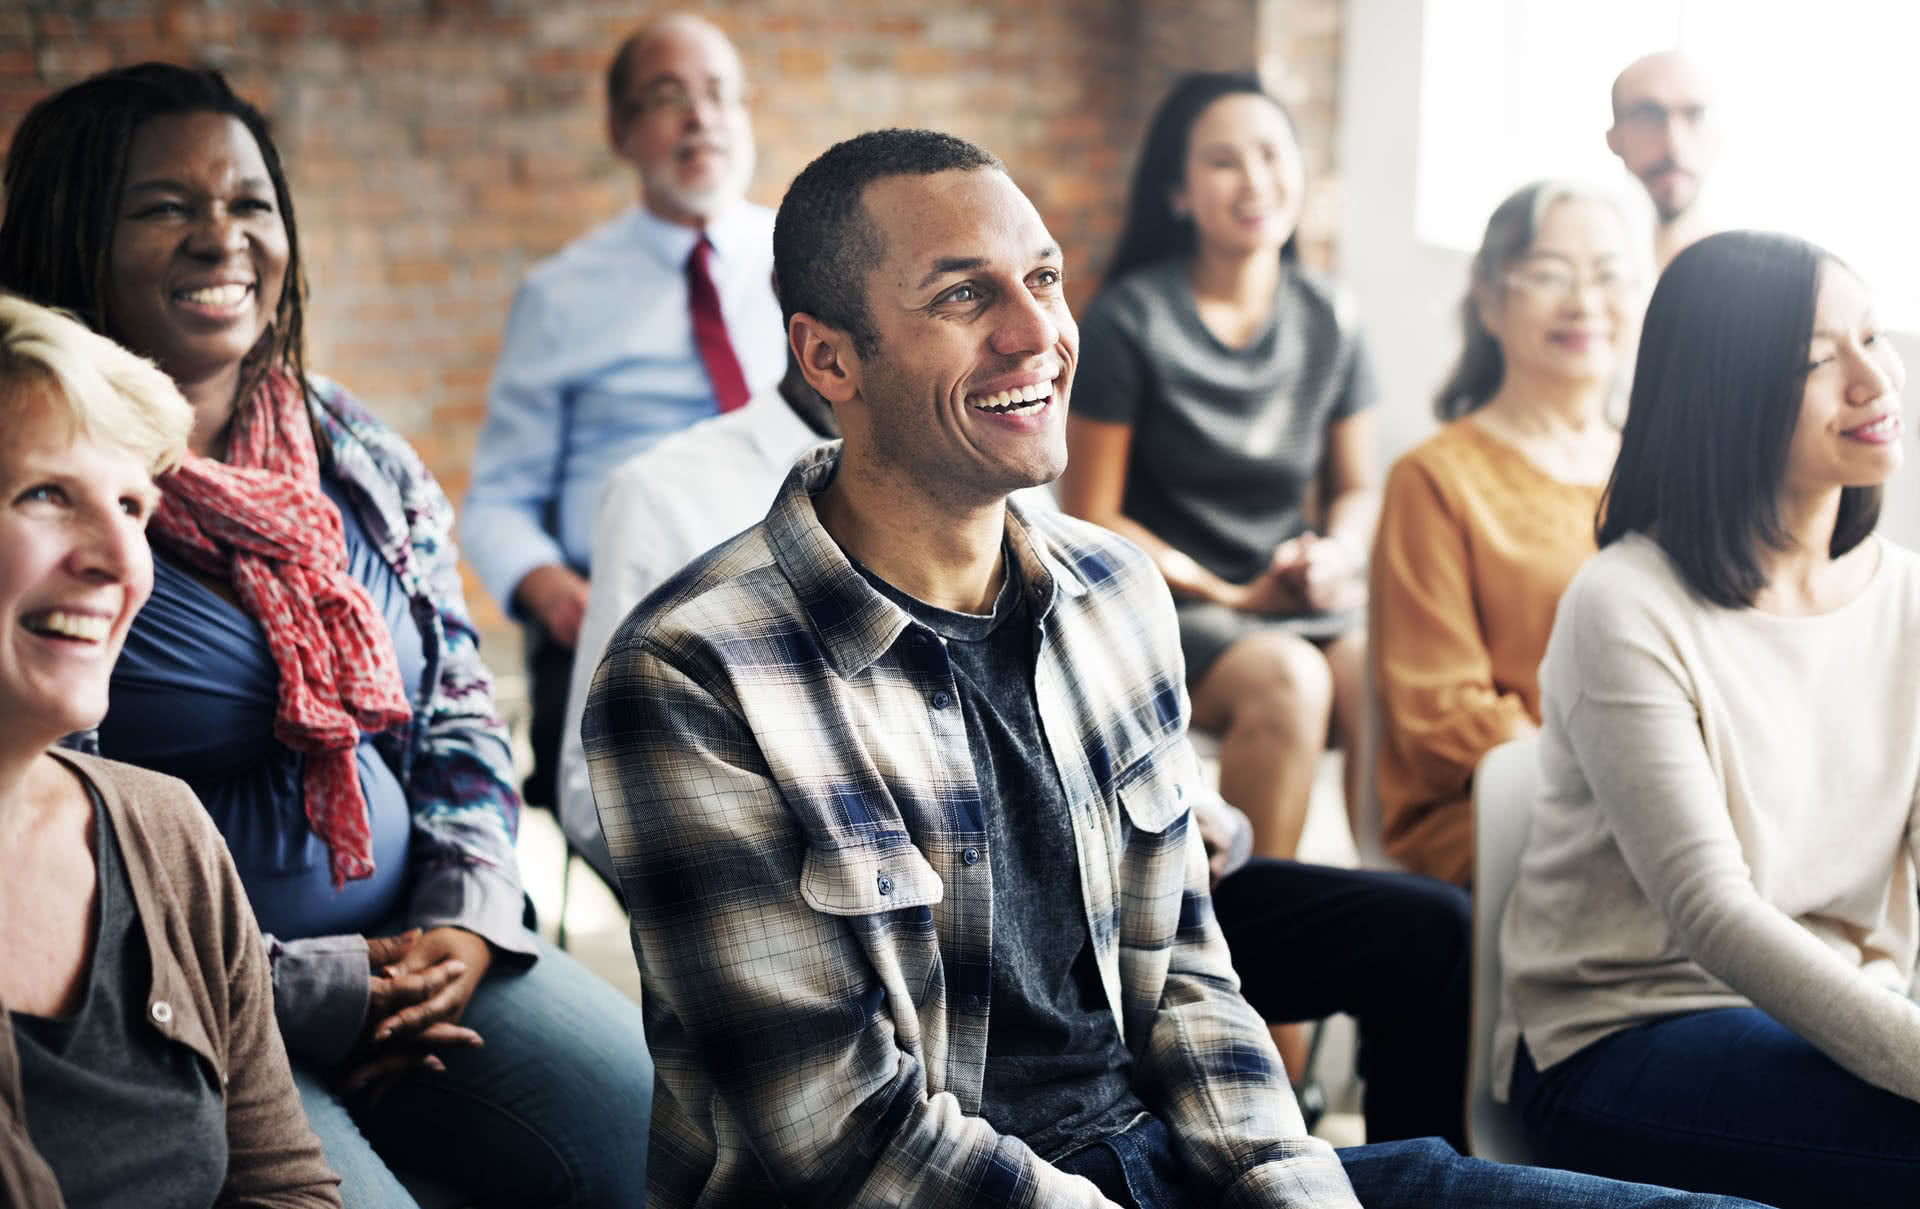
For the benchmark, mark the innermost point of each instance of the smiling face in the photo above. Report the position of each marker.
(199, 254)
(1565, 310)
(1848, 430)
(684, 122)
(1245, 178)
(964, 394)
(74, 565)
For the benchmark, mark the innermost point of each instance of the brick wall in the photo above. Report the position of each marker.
(439, 147)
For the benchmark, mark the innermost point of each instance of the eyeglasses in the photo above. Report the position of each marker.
(674, 98)
(1652, 114)
(1551, 282)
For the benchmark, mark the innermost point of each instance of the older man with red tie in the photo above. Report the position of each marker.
(642, 327)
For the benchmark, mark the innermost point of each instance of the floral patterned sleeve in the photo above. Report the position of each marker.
(453, 757)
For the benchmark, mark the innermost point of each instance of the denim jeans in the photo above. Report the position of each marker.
(551, 1112)
(1139, 1170)
(1728, 1100)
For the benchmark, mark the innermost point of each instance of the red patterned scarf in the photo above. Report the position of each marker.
(260, 521)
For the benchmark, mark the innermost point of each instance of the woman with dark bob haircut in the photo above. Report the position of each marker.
(1220, 385)
(306, 663)
(1710, 948)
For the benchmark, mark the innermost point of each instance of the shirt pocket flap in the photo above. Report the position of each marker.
(1154, 791)
(865, 879)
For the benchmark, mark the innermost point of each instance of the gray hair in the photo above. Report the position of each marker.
(1482, 367)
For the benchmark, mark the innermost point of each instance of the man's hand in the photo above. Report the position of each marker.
(420, 986)
(557, 596)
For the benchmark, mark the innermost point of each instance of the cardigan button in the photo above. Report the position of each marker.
(162, 1012)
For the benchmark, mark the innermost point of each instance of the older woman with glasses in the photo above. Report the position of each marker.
(1482, 525)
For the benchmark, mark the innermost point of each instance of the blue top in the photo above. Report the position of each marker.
(597, 363)
(194, 695)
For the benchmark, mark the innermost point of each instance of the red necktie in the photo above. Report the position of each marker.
(710, 331)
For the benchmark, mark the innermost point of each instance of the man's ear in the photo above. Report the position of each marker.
(1613, 138)
(826, 357)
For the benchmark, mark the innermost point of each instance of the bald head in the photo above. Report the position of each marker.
(643, 43)
(1663, 129)
(676, 111)
(1661, 74)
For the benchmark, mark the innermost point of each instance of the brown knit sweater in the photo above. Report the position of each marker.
(210, 973)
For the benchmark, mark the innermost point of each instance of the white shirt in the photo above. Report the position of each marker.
(660, 510)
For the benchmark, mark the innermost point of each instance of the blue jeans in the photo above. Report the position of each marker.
(1729, 1100)
(551, 1112)
(1138, 1169)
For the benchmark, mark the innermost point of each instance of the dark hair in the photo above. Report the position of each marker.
(1716, 398)
(1476, 377)
(65, 171)
(1153, 231)
(825, 243)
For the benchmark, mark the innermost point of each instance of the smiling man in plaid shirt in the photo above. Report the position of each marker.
(898, 785)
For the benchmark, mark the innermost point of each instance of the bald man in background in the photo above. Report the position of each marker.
(640, 328)
(1664, 132)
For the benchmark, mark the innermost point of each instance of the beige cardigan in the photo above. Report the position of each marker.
(211, 992)
(1727, 818)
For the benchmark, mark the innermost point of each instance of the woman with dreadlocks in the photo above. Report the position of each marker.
(307, 665)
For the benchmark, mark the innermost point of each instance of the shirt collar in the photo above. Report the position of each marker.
(855, 623)
(673, 243)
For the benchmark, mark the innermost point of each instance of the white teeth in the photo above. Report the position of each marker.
(218, 295)
(72, 625)
(1879, 428)
(1013, 401)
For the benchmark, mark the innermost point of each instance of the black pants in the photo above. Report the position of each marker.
(1393, 950)
(549, 670)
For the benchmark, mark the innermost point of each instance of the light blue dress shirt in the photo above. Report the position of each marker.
(598, 362)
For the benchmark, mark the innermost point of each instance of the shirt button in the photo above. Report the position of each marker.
(886, 884)
(970, 856)
(942, 699)
(162, 1012)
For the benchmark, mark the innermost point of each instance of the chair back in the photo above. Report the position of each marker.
(1503, 793)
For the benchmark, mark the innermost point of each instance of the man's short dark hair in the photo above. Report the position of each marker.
(1716, 397)
(825, 243)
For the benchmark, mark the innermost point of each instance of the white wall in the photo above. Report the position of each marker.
(1407, 290)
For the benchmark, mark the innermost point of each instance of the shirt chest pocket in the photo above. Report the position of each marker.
(884, 875)
(1154, 790)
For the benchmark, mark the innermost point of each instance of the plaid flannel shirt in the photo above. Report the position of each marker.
(782, 772)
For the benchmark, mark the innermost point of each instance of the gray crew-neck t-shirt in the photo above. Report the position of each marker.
(1058, 1076)
(1226, 442)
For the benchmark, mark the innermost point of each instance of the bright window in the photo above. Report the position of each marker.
(1818, 104)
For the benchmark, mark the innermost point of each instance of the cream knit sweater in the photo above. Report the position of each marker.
(1726, 818)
